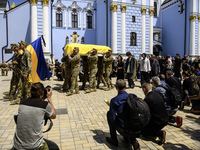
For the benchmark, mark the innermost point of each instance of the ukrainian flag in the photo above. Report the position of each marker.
(39, 66)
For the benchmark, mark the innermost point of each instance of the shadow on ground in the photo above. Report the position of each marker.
(175, 146)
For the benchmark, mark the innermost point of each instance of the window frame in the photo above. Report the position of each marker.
(89, 22)
(133, 20)
(59, 20)
(74, 19)
(131, 40)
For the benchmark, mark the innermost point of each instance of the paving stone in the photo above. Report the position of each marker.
(81, 122)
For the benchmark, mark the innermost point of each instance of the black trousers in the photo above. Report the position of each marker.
(144, 77)
(130, 79)
(115, 126)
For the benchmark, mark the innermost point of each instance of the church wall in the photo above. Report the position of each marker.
(173, 28)
(18, 26)
(119, 29)
(147, 32)
(3, 33)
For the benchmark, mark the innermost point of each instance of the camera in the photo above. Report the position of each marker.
(47, 88)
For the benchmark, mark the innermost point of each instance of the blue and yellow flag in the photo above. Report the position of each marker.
(39, 66)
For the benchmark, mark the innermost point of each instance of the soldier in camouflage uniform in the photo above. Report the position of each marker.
(75, 69)
(67, 70)
(24, 86)
(92, 68)
(108, 59)
(4, 68)
(16, 73)
(101, 71)
(85, 70)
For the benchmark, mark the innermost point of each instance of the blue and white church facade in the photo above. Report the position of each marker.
(137, 26)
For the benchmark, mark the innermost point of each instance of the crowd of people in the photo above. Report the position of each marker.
(175, 83)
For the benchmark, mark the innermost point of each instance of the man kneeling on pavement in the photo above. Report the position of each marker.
(117, 116)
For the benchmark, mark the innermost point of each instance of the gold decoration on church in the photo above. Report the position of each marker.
(123, 8)
(34, 1)
(45, 2)
(193, 17)
(113, 7)
(151, 11)
(143, 11)
(199, 18)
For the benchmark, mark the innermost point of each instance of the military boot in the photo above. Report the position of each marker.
(105, 85)
(17, 101)
(63, 90)
(94, 90)
(88, 90)
(82, 87)
(6, 93)
(8, 97)
(69, 93)
(97, 86)
(76, 92)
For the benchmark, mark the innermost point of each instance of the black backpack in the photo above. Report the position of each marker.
(175, 96)
(138, 113)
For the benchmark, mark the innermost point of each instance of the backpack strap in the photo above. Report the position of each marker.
(50, 125)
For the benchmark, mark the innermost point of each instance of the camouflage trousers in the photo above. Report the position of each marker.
(24, 88)
(85, 77)
(14, 83)
(100, 78)
(92, 80)
(74, 81)
(67, 78)
(3, 71)
(107, 78)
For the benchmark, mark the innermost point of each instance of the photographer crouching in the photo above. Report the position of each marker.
(30, 121)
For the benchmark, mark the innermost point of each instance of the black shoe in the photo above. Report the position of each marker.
(136, 145)
(162, 136)
(133, 86)
(111, 141)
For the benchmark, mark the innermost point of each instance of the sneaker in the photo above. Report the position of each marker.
(136, 144)
(111, 141)
(179, 121)
(162, 137)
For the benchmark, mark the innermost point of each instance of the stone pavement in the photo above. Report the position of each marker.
(81, 122)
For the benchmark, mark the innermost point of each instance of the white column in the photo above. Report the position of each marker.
(94, 21)
(34, 32)
(192, 27)
(151, 12)
(69, 18)
(45, 21)
(79, 19)
(143, 11)
(114, 28)
(123, 28)
(64, 17)
(54, 17)
(198, 51)
(84, 19)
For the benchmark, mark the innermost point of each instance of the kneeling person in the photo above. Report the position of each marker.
(117, 116)
(30, 121)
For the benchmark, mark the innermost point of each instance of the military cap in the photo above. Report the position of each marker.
(109, 50)
(23, 43)
(13, 45)
(76, 48)
(94, 50)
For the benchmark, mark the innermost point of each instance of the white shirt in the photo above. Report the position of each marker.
(145, 65)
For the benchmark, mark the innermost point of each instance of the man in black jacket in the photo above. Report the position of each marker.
(130, 68)
(159, 116)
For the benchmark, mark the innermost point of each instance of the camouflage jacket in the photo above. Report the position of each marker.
(92, 61)
(66, 62)
(26, 63)
(4, 65)
(75, 60)
(16, 61)
(108, 62)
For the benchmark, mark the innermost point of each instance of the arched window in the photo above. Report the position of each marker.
(155, 9)
(59, 18)
(133, 39)
(74, 18)
(89, 19)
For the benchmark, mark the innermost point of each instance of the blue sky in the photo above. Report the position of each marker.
(17, 2)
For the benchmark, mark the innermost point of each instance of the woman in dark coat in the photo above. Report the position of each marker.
(120, 68)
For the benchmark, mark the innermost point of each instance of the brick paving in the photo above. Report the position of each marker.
(81, 122)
